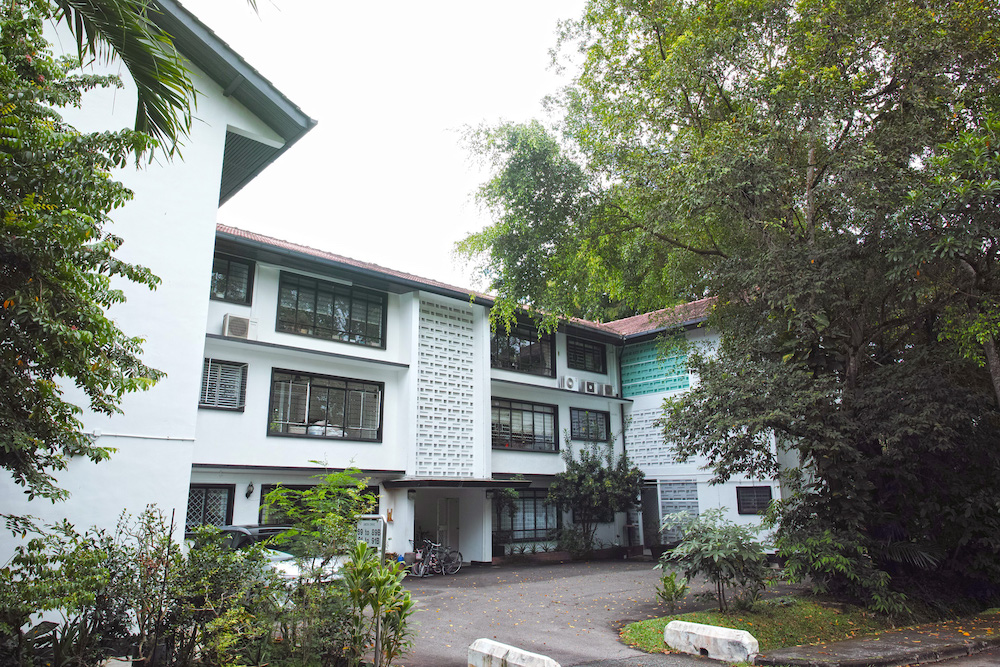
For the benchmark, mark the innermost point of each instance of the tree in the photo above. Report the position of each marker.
(323, 518)
(57, 261)
(765, 153)
(951, 237)
(595, 485)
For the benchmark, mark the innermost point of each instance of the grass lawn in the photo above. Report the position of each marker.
(775, 623)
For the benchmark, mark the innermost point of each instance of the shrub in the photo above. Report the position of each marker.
(727, 554)
(670, 590)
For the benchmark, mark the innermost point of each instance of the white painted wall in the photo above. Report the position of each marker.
(709, 495)
(170, 228)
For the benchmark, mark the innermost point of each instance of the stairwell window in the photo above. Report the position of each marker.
(232, 279)
(322, 309)
(320, 406)
(223, 385)
(589, 425)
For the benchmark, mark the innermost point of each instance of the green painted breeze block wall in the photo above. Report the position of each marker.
(646, 371)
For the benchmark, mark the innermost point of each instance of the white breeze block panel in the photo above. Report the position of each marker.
(711, 641)
(488, 653)
(644, 439)
(445, 409)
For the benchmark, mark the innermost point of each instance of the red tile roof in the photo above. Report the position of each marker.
(346, 261)
(692, 311)
(645, 323)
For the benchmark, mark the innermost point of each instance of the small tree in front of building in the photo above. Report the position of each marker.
(595, 485)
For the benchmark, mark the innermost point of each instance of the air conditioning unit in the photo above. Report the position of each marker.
(607, 390)
(590, 387)
(239, 327)
(569, 382)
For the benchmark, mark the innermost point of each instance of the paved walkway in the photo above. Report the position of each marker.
(572, 612)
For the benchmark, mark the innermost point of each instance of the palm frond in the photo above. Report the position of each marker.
(123, 28)
(920, 556)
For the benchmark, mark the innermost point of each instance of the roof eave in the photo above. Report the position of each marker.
(237, 78)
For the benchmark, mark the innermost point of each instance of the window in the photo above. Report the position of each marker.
(524, 426)
(522, 350)
(325, 407)
(332, 311)
(223, 385)
(589, 425)
(752, 499)
(533, 520)
(232, 279)
(270, 515)
(585, 355)
(209, 505)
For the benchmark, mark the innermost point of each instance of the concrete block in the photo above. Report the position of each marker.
(488, 653)
(711, 641)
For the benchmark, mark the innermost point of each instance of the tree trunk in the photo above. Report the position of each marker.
(993, 364)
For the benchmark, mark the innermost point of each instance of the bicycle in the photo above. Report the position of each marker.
(434, 558)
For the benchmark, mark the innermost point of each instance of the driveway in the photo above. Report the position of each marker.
(570, 612)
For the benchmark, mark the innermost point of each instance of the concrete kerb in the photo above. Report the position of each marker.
(489, 653)
(711, 641)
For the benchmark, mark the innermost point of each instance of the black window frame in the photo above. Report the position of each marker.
(262, 506)
(283, 520)
(231, 488)
(229, 260)
(217, 404)
(590, 356)
(575, 416)
(291, 429)
(748, 499)
(504, 534)
(308, 320)
(524, 350)
(509, 443)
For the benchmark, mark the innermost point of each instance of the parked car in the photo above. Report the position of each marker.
(283, 557)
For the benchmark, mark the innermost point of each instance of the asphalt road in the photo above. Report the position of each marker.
(570, 612)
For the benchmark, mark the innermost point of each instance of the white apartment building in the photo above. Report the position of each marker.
(284, 361)
(316, 361)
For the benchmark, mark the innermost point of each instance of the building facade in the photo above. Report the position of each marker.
(315, 361)
(283, 362)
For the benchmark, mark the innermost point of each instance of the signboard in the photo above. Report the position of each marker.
(370, 532)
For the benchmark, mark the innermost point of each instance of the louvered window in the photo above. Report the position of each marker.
(325, 407)
(585, 355)
(223, 385)
(752, 499)
(589, 425)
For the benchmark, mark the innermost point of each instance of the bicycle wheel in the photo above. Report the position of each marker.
(452, 562)
(420, 568)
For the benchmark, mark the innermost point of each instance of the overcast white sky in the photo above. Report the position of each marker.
(383, 176)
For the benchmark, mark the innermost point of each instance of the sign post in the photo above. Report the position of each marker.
(371, 531)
